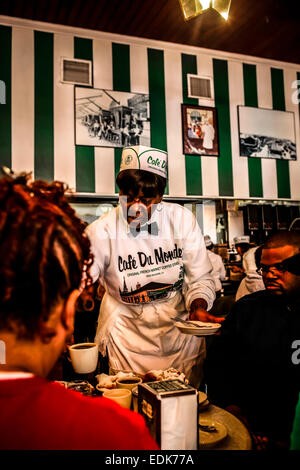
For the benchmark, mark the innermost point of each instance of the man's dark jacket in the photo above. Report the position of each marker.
(253, 364)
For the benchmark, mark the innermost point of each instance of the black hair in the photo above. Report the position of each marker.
(133, 181)
(244, 246)
(257, 255)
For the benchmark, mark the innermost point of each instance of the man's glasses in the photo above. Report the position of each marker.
(277, 268)
(292, 265)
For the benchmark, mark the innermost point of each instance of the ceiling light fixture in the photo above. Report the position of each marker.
(192, 8)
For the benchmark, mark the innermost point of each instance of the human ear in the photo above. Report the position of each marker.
(158, 199)
(68, 313)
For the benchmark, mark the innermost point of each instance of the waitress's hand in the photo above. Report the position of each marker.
(198, 312)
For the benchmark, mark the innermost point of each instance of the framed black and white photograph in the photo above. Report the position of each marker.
(266, 133)
(107, 118)
(199, 130)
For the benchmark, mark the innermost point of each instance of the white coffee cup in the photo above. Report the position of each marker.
(84, 357)
(121, 396)
(128, 382)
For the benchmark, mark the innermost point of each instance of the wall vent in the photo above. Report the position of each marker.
(78, 72)
(200, 87)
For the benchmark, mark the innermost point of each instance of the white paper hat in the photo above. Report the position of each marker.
(241, 239)
(145, 158)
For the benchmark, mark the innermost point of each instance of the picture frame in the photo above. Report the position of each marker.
(199, 130)
(108, 118)
(266, 133)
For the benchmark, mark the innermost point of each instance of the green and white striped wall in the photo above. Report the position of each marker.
(37, 121)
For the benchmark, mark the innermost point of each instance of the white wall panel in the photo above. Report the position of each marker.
(239, 164)
(22, 100)
(64, 144)
(173, 87)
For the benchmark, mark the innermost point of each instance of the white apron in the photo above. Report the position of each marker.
(135, 325)
(151, 340)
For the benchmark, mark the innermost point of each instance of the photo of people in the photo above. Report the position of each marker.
(106, 118)
(199, 130)
(267, 133)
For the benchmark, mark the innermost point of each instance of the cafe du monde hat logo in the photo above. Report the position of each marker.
(145, 158)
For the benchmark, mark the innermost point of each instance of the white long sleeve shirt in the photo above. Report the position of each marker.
(176, 259)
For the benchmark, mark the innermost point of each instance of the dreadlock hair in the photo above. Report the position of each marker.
(43, 250)
(134, 181)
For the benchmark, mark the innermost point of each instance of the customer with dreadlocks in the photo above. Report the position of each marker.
(44, 252)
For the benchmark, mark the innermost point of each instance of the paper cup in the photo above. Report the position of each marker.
(128, 382)
(84, 357)
(121, 396)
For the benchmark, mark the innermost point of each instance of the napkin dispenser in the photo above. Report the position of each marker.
(170, 409)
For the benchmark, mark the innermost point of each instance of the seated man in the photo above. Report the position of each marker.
(43, 253)
(250, 368)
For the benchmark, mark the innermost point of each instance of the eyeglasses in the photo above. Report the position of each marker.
(274, 269)
(292, 265)
(146, 201)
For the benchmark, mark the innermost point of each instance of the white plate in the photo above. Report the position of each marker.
(210, 439)
(206, 329)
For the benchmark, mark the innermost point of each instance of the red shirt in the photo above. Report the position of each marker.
(40, 415)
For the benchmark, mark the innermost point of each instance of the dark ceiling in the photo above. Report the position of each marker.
(262, 28)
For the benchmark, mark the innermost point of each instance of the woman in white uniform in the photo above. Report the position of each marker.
(151, 258)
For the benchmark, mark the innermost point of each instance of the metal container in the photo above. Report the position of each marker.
(170, 409)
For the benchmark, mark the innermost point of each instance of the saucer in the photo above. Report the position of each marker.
(210, 439)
